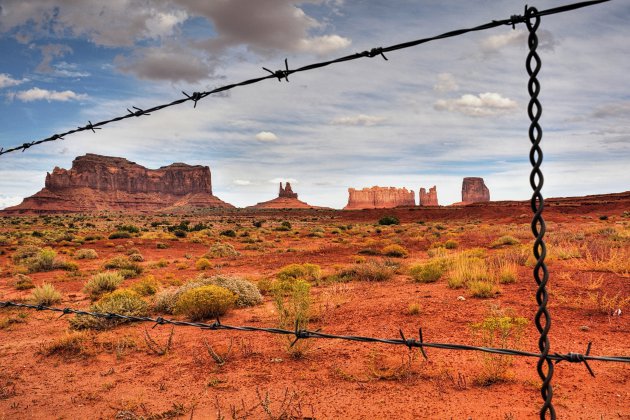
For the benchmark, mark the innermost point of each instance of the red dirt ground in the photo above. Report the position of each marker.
(119, 377)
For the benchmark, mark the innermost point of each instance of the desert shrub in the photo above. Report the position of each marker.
(481, 288)
(221, 249)
(501, 329)
(369, 271)
(25, 252)
(247, 293)
(148, 286)
(388, 220)
(505, 240)
(230, 233)
(127, 267)
(46, 295)
(86, 254)
(165, 300)
(258, 223)
(308, 272)
(119, 235)
(413, 309)
(161, 245)
(368, 251)
(23, 282)
(427, 273)
(122, 301)
(44, 260)
(205, 302)
(450, 244)
(396, 251)
(136, 257)
(128, 228)
(203, 264)
(465, 269)
(180, 233)
(102, 283)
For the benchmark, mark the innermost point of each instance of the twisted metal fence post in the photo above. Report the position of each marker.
(542, 317)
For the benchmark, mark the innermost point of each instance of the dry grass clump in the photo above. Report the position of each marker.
(608, 304)
(122, 301)
(128, 268)
(46, 295)
(102, 283)
(396, 251)
(148, 286)
(73, 344)
(203, 264)
(205, 302)
(613, 260)
(505, 240)
(86, 254)
(23, 282)
(506, 272)
(370, 271)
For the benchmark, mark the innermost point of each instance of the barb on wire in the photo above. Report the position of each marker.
(300, 334)
(284, 74)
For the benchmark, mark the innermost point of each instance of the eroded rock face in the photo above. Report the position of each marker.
(379, 198)
(474, 190)
(110, 183)
(287, 192)
(428, 198)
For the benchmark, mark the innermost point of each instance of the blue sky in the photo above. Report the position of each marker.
(431, 115)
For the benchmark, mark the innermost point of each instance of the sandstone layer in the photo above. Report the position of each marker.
(474, 190)
(110, 183)
(379, 198)
(428, 198)
(286, 199)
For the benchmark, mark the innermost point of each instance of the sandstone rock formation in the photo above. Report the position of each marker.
(474, 190)
(379, 198)
(286, 199)
(110, 183)
(287, 192)
(428, 198)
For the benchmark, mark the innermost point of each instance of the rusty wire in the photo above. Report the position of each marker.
(284, 73)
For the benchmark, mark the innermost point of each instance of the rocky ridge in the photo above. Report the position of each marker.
(379, 198)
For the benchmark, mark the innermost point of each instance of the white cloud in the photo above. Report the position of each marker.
(266, 136)
(242, 182)
(37, 94)
(484, 105)
(361, 119)
(161, 24)
(445, 83)
(6, 80)
(9, 200)
(494, 43)
(323, 45)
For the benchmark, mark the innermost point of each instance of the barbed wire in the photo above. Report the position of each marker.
(284, 74)
(301, 334)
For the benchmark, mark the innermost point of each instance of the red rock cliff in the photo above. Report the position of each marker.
(379, 198)
(110, 183)
(428, 198)
(474, 190)
(287, 191)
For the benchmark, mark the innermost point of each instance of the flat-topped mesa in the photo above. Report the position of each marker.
(113, 174)
(379, 198)
(287, 192)
(474, 190)
(428, 198)
(111, 183)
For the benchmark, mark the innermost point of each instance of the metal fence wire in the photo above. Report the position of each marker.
(546, 359)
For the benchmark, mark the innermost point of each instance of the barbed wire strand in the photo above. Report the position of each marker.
(307, 334)
(284, 74)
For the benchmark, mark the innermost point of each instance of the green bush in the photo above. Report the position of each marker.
(205, 302)
(427, 273)
(247, 293)
(46, 260)
(86, 254)
(128, 228)
(25, 252)
(229, 233)
(396, 251)
(388, 220)
(102, 283)
(120, 235)
(309, 272)
(46, 295)
(128, 268)
(148, 286)
(122, 302)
